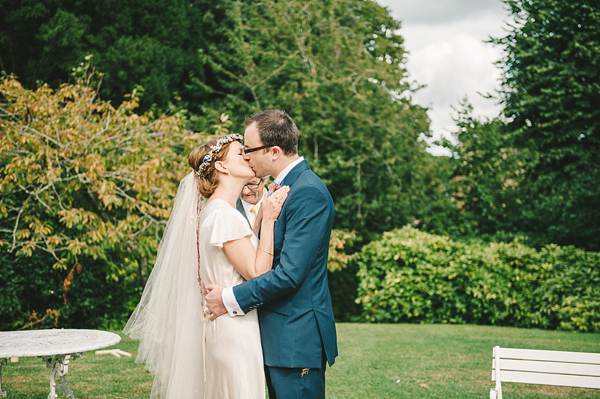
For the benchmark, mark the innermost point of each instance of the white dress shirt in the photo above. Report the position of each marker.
(233, 308)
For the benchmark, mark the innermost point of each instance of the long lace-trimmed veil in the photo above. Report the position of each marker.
(167, 321)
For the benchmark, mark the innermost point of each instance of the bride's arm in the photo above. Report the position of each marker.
(241, 253)
(258, 220)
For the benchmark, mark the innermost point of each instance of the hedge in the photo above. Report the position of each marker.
(36, 296)
(413, 276)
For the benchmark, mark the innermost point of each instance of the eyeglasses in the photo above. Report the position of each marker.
(249, 150)
(252, 186)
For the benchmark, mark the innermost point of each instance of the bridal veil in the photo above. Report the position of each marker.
(168, 320)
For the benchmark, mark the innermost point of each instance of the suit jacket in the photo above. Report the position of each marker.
(240, 207)
(296, 317)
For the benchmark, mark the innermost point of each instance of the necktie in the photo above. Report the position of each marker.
(254, 210)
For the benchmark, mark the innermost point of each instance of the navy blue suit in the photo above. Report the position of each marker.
(295, 313)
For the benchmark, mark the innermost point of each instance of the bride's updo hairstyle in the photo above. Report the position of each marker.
(202, 161)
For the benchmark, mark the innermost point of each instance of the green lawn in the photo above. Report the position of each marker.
(440, 361)
(376, 361)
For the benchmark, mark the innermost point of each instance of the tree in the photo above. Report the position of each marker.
(85, 188)
(487, 175)
(153, 44)
(551, 88)
(338, 68)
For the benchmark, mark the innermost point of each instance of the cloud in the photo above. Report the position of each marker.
(455, 68)
(479, 26)
(439, 11)
(445, 40)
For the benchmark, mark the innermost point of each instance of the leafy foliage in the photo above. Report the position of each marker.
(342, 274)
(486, 177)
(412, 276)
(37, 296)
(550, 91)
(153, 44)
(86, 186)
(337, 68)
(85, 189)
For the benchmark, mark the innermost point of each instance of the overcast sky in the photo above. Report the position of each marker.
(447, 53)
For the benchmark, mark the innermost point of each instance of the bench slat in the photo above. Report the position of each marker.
(548, 367)
(558, 356)
(549, 379)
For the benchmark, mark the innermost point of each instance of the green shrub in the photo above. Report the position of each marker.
(34, 295)
(412, 276)
(342, 274)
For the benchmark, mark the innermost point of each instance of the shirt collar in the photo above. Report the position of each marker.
(287, 169)
(248, 205)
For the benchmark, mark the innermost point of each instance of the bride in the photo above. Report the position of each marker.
(206, 242)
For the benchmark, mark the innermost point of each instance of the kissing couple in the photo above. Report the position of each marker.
(228, 306)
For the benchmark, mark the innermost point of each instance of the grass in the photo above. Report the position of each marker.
(376, 361)
(440, 361)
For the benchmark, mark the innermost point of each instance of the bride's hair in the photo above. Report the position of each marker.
(208, 181)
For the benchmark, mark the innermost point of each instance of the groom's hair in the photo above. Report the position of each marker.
(275, 127)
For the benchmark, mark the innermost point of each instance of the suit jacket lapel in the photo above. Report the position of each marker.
(291, 177)
(240, 207)
(288, 180)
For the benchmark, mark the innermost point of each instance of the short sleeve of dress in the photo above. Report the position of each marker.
(228, 225)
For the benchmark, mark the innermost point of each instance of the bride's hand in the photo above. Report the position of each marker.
(274, 203)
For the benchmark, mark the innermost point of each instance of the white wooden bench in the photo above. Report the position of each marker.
(544, 367)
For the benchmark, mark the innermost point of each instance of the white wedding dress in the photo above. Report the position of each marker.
(233, 353)
(190, 356)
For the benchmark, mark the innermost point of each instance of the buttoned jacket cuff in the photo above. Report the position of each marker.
(233, 308)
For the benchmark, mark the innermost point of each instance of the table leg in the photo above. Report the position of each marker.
(59, 367)
(3, 361)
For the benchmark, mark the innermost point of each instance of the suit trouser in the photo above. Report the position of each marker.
(296, 383)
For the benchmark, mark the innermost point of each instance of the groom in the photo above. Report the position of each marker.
(296, 318)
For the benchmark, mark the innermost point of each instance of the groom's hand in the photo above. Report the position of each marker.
(214, 301)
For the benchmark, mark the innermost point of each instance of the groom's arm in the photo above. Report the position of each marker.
(220, 300)
(233, 308)
(306, 226)
(308, 215)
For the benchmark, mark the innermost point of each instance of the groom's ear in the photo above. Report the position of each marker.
(276, 152)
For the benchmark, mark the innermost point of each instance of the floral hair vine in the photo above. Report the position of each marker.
(215, 148)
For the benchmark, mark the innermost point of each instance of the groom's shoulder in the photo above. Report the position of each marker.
(309, 183)
(308, 177)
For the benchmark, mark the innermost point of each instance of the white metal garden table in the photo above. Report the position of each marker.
(56, 348)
